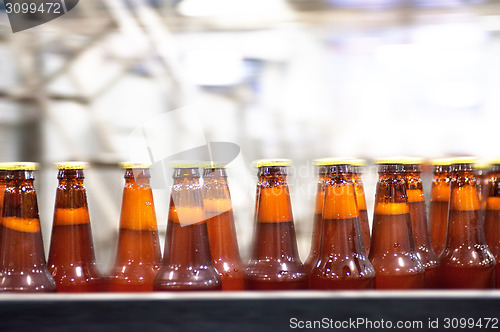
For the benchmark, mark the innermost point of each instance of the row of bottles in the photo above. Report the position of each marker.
(201, 249)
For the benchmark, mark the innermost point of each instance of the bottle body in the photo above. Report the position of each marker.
(274, 262)
(71, 254)
(342, 262)
(138, 254)
(22, 261)
(438, 210)
(465, 261)
(187, 262)
(421, 236)
(221, 229)
(392, 251)
(492, 219)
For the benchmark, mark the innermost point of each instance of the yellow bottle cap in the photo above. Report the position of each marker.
(482, 164)
(134, 165)
(213, 164)
(441, 161)
(18, 166)
(71, 165)
(495, 161)
(332, 161)
(272, 162)
(399, 161)
(185, 164)
(463, 160)
(358, 162)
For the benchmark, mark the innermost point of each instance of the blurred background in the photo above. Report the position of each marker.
(298, 79)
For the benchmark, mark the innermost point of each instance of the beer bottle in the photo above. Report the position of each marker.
(187, 262)
(71, 254)
(321, 166)
(22, 260)
(466, 261)
(392, 250)
(440, 199)
(357, 168)
(342, 262)
(221, 230)
(274, 262)
(492, 222)
(138, 255)
(421, 236)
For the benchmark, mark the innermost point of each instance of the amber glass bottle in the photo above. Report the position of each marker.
(492, 222)
(274, 262)
(358, 165)
(221, 229)
(22, 259)
(71, 255)
(321, 168)
(342, 262)
(418, 216)
(138, 256)
(440, 199)
(392, 251)
(466, 261)
(187, 262)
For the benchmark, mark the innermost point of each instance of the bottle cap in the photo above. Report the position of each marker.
(495, 161)
(272, 162)
(19, 166)
(482, 164)
(399, 161)
(213, 164)
(185, 164)
(358, 162)
(71, 165)
(332, 161)
(463, 160)
(441, 161)
(134, 165)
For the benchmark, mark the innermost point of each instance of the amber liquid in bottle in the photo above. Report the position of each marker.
(492, 222)
(274, 263)
(342, 262)
(363, 212)
(22, 260)
(138, 255)
(71, 255)
(421, 236)
(466, 261)
(392, 251)
(438, 211)
(221, 229)
(187, 262)
(318, 212)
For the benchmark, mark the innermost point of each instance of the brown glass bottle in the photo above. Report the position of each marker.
(421, 236)
(221, 229)
(187, 262)
(342, 262)
(71, 255)
(392, 251)
(492, 220)
(274, 262)
(138, 255)
(22, 259)
(465, 261)
(358, 165)
(321, 166)
(440, 200)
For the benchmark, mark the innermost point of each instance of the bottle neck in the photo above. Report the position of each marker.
(273, 203)
(71, 192)
(186, 202)
(20, 199)
(391, 196)
(414, 186)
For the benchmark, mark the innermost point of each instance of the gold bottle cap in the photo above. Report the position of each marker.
(134, 165)
(332, 161)
(71, 165)
(358, 162)
(272, 162)
(441, 161)
(463, 160)
(399, 161)
(495, 161)
(482, 164)
(18, 166)
(213, 164)
(185, 164)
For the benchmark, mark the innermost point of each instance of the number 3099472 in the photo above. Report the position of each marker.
(34, 7)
